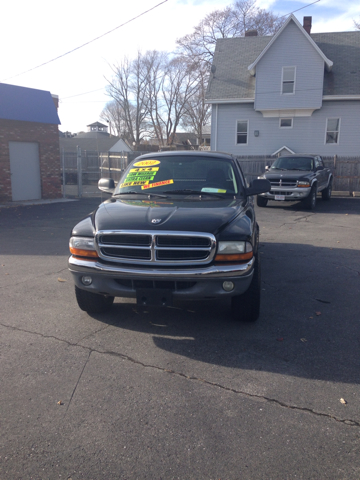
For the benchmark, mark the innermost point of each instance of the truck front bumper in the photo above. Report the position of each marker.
(123, 281)
(290, 194)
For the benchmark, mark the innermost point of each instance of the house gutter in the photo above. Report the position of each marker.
(341, 97)
(230, 100)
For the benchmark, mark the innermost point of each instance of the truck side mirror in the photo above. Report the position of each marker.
(260, 185)
(106, 185)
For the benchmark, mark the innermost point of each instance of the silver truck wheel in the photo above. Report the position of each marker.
(310, 201)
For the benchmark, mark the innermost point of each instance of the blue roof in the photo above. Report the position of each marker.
(27, 105)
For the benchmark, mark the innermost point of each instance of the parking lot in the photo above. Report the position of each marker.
(185, 392)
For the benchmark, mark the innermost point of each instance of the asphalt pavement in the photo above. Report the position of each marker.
(186, 392)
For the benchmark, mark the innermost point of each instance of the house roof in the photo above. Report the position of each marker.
(91, 141)
(233, 81)
(27, 105)
(291, 18)
(120, 146)
(96, 124)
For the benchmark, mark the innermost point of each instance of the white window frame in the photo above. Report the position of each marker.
(236, 132)
(338, 132)
(282, 80)
(286, 118)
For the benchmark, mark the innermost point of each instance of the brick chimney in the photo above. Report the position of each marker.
(251, 33)
(307, 24)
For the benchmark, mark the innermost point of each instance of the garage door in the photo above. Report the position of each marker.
(25, 171)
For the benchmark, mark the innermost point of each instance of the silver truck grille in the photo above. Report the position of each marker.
(279, 182)
(149, 247)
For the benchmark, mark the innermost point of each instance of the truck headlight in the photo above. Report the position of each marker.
(234, 252)
(83, 247)
(303, 183)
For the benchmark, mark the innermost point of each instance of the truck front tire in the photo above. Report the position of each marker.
(246, 307)
(326, 193)
(310, 201)
(261, 201)
(93, 302)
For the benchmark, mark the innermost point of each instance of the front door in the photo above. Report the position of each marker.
(25, 171)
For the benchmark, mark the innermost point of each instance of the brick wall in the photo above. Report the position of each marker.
(47, 136)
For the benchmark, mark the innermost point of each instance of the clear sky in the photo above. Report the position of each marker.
(34, 32)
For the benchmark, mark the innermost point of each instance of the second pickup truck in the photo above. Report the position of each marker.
(297, 177)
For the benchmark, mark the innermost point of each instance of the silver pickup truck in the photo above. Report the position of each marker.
(297, 177)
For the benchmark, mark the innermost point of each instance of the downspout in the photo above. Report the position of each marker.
(216, 127)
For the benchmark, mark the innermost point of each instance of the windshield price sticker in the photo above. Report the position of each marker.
(146, 163)
(132, 184)
(157, 184)
(142, 174)
(147, 169)
(133, 177)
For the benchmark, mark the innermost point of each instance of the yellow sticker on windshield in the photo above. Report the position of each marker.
(146, 169)
(132, 184)
(157, 184)
(146, 163)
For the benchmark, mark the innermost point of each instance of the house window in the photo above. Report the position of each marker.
(286, 122)
(288, 80)
(242, 132)
(332, 130)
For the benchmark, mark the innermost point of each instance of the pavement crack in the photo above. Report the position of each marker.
(77, 383)
(279, 403)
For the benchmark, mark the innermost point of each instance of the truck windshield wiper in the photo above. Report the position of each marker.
(278, 168)
(188, 191)
(148, 194)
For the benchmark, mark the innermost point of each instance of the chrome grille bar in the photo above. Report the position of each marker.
(155, 247)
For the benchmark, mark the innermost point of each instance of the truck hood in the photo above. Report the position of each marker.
(287, 174)
(207, 215)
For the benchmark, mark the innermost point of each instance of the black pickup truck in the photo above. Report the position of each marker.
(297, 177)
(178, 225)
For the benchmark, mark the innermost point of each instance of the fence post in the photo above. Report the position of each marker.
(335, 158)
(79, 170)
(63, 169)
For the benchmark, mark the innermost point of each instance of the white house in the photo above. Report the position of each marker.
(293, 91)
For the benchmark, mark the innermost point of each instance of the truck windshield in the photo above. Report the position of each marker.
(293, 163)
(180, 174)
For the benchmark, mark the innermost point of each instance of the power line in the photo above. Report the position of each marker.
(305, 6)
(87, 43)
(85, 93)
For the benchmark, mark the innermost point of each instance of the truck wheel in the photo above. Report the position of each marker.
(310, 201)
(246, 307)
(326, 194)
(261, 201)
(93, 302)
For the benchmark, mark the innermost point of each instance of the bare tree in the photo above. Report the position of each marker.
(128, 88)
(197, 113)
(232, 21)
(157, 65)
(200, 44)
(357, 25)
(115, 116)
(170, 91)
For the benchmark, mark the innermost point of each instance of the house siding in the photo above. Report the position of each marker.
(306, 135)
(47, 136)
(291, 49)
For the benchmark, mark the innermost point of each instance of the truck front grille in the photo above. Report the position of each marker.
(155, 284)
(163, 248)
(280, 182)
